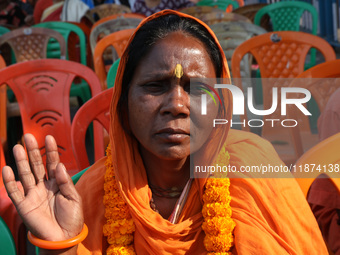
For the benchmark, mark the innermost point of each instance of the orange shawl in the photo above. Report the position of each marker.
(271, 215)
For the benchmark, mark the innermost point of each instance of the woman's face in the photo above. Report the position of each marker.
(160, 115)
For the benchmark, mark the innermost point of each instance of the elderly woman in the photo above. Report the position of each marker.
(140, 198)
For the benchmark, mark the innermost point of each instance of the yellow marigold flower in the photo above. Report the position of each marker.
(123, 226)
(216, 194)
(217, 182)
(219, 253)
(218, 225)
(120, 250)
(121, 240)
(219, 243)
(216, 210)
(117, 213)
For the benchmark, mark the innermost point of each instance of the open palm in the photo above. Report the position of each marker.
(50, 207)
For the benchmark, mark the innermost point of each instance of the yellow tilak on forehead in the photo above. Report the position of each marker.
(179, 71)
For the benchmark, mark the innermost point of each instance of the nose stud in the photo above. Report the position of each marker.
(179, 71)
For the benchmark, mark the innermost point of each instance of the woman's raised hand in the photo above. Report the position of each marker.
(51, 208)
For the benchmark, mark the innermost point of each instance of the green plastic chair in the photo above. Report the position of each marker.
(286, 16)
(81, 89)
(221, 4)
(7, 245)
(111, 75)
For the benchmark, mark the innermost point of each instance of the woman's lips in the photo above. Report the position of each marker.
(171, 135)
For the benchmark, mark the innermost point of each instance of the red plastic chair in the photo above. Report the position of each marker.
(9, 214)
(42, 89)
(96, 109)
(119, 41)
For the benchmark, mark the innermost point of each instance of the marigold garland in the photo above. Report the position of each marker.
(119, 227)
(218, 224)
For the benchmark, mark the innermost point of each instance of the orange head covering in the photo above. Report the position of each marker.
(155, 235)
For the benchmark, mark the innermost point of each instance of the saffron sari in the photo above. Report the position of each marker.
(271, 215)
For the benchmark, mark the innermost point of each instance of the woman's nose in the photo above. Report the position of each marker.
(176, 102)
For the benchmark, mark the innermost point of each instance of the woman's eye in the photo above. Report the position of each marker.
(198, 89)
(154, 87)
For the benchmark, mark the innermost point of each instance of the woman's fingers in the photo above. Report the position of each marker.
(11, 186)
(24, 170)
(35, 159)
(52, 156)
(65, 183)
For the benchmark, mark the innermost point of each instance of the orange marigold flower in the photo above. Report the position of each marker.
(218, 225)
(219, 243)
(216, 210)
(120, 250)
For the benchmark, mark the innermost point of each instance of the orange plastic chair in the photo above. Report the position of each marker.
(110, 26)
(321, 88)
(42, 89)
(118, 40)
(279, 55)
(138, 16)
(31, 42)
(96, 109)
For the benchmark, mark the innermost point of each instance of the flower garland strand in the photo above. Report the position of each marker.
(218, 225)
(119, 227)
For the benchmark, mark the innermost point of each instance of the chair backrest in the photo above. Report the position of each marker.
(104, 10)
(111, 26)
(198, 11)
(231, 34)
(321, 89)
(279, 55)
(74, 38)
(217, 17)
(31, 42)
(115, 16)
(86, 30)
(112, 73)
(324, 155)
(7, 245)
(286, 15)
(222, 4)
(42, 89)
(96, 109)
(118, 40)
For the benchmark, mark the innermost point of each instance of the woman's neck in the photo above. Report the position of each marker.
(166, 174)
